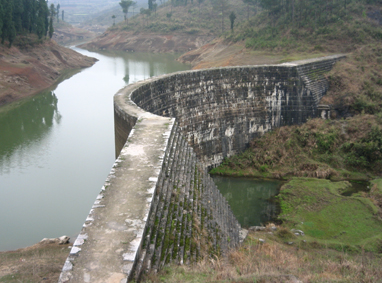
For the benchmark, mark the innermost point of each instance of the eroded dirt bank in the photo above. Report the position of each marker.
(27, 71)
(219, 53)
(147, 42)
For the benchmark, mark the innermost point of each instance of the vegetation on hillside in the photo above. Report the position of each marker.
(338, 149)
(22, 17)
(348, 146)
(190, 17)
(336, 26)
(325, 237)
(277, 262)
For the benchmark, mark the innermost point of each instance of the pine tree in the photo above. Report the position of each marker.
(18, 10)
(222, 6)
(8, 29)
(58, 12)
(51, 30)
(1, 17)
(232, 18)
(42, 19)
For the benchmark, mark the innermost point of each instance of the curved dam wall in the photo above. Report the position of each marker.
(158, 204)
(221, 110)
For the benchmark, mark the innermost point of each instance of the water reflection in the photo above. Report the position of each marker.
(249, 198)
(22, 126)
(139, 66)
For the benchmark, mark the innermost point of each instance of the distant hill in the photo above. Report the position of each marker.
(92, 12)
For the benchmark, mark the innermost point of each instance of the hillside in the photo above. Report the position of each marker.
(338, 149)
(313, 31)
(26, 69)
(176, 26)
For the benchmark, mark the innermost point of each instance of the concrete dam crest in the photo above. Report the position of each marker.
(159, 204)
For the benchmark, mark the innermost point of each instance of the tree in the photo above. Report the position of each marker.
(222, 6)
(249, 3)
(8, 31)
(58, 12)
(32, 16)
(232, 18)
(18, 11)
(113, 17)
(200, 2)
(52, 11)
(126, 4)
(62, 15)
(1, 17)
(51, 29)
(42, 21)
(146, 12)
(155, 5)
(22, 16)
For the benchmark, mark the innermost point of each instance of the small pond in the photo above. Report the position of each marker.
(356, 187)
(250, 199)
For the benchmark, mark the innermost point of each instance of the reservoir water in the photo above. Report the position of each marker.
(57, 148)
(250, 199)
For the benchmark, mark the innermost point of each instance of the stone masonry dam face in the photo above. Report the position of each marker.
(221, 110)
(158, 204)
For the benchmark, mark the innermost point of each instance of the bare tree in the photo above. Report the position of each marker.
(126, 4)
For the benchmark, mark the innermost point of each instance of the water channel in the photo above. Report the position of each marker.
(57, 148)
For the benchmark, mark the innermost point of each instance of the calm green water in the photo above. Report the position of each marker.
(249, 198)
(57, 148)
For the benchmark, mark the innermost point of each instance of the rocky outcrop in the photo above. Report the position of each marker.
(60, 240)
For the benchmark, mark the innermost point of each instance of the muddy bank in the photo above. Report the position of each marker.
(147, 42)
(27, 71)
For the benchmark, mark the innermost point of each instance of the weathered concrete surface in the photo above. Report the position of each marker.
(108, 244)
(158, 204)
(221, 110)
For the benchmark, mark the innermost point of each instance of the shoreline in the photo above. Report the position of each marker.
(29, 71)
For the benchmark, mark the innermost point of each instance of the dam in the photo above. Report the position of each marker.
(158, 204)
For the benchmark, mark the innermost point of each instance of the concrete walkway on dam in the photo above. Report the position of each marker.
(108, 241)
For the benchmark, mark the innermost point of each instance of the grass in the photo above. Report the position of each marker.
(317, 208)
(275, 261)
(337, 149)
(38, 263)
(342, 241)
